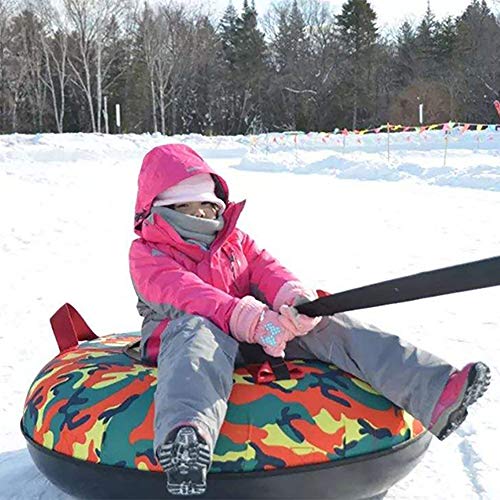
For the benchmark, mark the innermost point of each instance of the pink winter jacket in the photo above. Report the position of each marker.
(172, 277)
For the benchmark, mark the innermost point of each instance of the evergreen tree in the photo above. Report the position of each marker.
(357, 27)
(290, 45)
(357, 33)
(423, 70)
(405, 57)
(205, 97)
(475, 59)
(250, 47)
(246, 53)
(425, 44)
(291, 95)
(445, 41)
(227, 29)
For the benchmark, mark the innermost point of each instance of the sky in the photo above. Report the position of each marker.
(346, 215)
(390, 12)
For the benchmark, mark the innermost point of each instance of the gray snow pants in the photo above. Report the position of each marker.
(197, 359)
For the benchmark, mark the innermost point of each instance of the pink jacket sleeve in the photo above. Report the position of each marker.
(267, 275)
(170, 290)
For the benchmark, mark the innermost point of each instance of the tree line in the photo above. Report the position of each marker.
(174, 68)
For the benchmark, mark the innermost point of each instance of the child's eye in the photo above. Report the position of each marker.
(181, 205)
(209, 205)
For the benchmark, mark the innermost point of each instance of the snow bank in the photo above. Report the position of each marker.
(470, 159)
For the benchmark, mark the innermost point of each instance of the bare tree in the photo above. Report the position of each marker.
(175, 44)
(91, 21)
(7, 9)
(21, 65)
(28, 30)
(16, 90)
(148, 32)
(54, 42)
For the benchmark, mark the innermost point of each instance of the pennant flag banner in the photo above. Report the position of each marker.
(447, 128)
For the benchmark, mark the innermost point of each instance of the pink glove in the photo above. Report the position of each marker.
(301, 323)
(252, 321)
(293, 293)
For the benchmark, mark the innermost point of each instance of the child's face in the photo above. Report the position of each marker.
(201, 209)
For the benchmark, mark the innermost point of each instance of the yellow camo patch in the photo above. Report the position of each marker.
(352, 429)
(287, 384)
(408, 420)
(233, 456)
(239, 378)
(276, 437)
(143, 466)
(42, 409)
(94, 435)
(363, 385)
(327, 423)
(48, 440)
(111, 378)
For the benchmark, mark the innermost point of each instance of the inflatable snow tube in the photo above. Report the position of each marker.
(88, 422)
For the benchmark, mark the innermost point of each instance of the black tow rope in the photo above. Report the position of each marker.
(469, 276)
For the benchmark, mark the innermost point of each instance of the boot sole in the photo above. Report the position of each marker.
(478, 381)
(185, 461)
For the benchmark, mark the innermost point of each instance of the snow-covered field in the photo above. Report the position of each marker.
(362, 214)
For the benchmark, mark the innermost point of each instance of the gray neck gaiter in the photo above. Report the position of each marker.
(191, 229)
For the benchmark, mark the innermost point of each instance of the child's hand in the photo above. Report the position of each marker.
(272, 332)
(301, 323)
(252, 321)
(293, 293)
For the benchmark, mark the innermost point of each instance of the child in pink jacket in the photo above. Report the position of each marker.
(204, 286)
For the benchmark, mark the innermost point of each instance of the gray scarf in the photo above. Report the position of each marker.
(191, 229)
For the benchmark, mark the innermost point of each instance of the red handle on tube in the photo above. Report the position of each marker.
(70, 328)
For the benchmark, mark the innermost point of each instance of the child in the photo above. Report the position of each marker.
(204, 286)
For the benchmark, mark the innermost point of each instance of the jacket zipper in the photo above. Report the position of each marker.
(232, 260)
(233, 268)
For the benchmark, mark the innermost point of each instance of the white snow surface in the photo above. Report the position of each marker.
(339, 215)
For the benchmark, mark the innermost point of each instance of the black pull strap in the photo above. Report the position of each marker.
(265, 368)
(279, 368)
(470, 276)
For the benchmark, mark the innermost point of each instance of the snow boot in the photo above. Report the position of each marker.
(463, 388)
(185, 458)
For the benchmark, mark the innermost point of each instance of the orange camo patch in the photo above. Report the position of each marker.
(145, 429)
(238, 433)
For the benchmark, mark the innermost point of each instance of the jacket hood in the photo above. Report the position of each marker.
(164, 167)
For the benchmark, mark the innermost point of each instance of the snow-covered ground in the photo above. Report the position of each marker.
(366, 211)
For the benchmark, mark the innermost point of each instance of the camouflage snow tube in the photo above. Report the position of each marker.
(88, 421)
